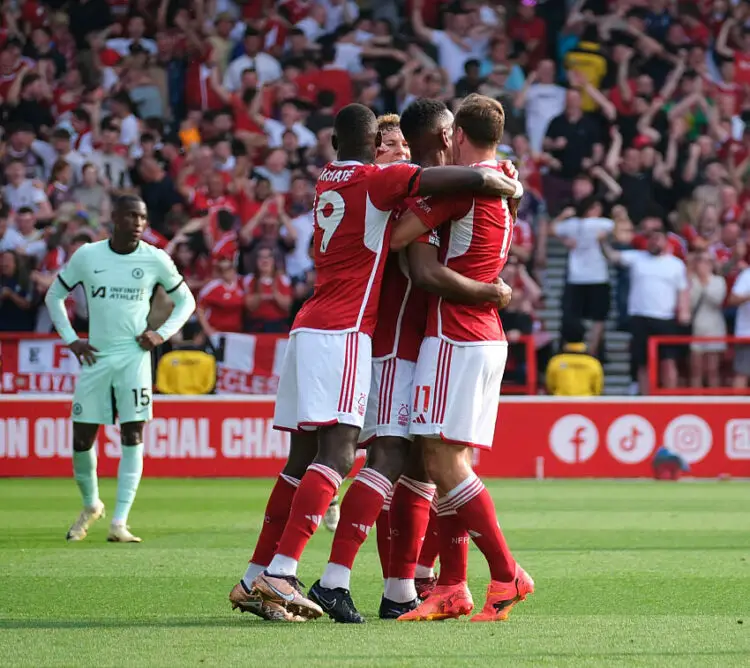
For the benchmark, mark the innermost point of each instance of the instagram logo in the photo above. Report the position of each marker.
(690, 437)
(737, 439)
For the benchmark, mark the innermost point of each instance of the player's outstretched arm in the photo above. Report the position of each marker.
(430, 274)
(483, 180)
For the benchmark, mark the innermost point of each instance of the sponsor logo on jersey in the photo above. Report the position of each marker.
(138, 273)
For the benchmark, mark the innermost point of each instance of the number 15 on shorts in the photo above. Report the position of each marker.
(141, 397)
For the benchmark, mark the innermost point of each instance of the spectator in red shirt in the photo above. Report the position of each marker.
(195, 268)
(268, 295)
(328, 77)
(220, 302)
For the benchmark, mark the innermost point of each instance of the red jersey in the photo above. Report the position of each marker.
(523, 235)
(53, 261)
(151, 236)
(353, 203)
(402, 316)
(268, 309)
(202, 202)
(226, 246)
(475, 243)
(199, 270)
(338, 81)
(223, 304)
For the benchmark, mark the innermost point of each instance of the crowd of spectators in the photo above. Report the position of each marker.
(626, 118)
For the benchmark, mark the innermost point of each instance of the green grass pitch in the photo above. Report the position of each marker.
(627, 574)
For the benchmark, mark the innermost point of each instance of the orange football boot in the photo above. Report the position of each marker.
(444, 602)
(502, 596)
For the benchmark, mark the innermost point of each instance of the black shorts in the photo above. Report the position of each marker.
(587, 301)
(643, 328)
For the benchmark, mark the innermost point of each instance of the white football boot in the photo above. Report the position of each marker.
(120, 533)
(88, 516)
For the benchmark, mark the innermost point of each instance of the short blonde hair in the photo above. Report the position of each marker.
(388, 122)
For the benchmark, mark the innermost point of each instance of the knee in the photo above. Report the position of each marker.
(388, 458)
(337, 446)
(82, 443)
(132, 433)
(414, 467)
(84, 436)
(339, 458)
(433, 461)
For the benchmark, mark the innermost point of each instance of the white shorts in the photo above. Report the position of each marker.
(117, 387)
(389, 405)
(324, 380)
(456, 391)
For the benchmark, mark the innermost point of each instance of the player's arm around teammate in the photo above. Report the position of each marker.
(118, 276)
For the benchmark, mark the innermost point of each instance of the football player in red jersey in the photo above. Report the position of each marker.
(458, 377)
(325, 378)
(398, 334)
(393, 148)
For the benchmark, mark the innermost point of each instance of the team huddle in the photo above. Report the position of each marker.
(400, 350)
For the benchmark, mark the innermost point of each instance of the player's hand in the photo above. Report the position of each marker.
(504, 293)
(149, 340)
(84, 352)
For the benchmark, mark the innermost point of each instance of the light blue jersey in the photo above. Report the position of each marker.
(118, 289)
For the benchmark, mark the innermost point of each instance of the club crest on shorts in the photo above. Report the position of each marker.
(137, 272)
(362, 403)
(403, 415)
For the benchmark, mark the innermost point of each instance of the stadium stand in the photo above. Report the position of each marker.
(623, 116)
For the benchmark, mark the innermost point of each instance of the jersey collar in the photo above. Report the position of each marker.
(346, 163)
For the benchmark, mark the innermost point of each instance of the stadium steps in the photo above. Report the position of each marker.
(617, 344)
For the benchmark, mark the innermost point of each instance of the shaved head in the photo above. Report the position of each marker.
(355, 133)
(427, 126)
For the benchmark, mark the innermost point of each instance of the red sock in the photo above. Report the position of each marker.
(316, 489)
(360, 508)
(453, 540)
(429, 552)
(410, 514)
(383, 535)
(277, 514)
(476, 511)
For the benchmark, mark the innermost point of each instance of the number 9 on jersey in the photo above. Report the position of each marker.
(329, 212)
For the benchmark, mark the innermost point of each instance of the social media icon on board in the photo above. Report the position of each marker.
(690, 437)
(737, 439)
(574, 439)
(631, 439)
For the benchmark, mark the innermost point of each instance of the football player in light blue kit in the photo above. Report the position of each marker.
(119, 277)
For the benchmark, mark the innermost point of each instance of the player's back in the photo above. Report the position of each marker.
(352, 205)
(118, 288)
(476, 244)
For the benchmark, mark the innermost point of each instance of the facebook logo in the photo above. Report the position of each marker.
(574, 439)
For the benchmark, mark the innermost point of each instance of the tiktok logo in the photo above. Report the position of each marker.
(631, 439)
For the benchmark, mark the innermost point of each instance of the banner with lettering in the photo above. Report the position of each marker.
(543, 437)
(246, 363)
